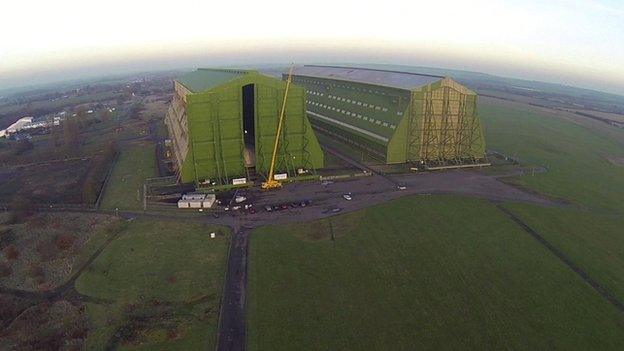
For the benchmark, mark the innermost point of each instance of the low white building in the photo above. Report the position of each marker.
(35, 125)
(18, 125)
(197, 201)
(26, 123)
(193, 196)
(209, 200)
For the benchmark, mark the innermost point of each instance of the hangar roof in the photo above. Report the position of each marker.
(207, 78)
(395, 79)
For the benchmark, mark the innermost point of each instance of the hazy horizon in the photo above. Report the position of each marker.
(576, 43)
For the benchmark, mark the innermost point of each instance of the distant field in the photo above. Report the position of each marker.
(135, 163)
(612, 116)
(155, 110)
(576, 156)
(419, 273)
(162, 282)
(7, 110)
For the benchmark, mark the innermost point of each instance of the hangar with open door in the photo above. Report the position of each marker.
(223, 123)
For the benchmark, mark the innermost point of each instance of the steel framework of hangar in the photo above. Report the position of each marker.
(223, 123)
(400, 117)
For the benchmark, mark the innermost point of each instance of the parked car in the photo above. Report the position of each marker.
(347, 197)
(333, 210)
(401, 186)
(268, 208)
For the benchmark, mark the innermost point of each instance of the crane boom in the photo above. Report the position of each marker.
(271, 183)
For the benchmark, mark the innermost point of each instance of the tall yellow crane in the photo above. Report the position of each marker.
(271, 183)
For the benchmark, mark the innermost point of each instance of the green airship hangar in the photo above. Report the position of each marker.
(223, 123)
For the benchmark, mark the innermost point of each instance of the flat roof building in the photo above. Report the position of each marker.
(22, 123)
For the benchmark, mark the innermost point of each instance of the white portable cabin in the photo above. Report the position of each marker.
(209, 200)
(193, 196)
(197, 201)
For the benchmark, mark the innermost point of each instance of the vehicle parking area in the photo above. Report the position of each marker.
(315, 199)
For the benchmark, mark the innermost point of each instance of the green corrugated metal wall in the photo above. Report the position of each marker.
(443, 125)
(215, 124)
(435, 123)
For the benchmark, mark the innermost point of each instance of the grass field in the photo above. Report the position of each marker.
(456, 273)
(124, 188)
(589, 231)
(576, 156)
(593, 240)
(162, 282)
(444, 272)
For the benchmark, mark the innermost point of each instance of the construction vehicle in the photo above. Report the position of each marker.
(271, 182)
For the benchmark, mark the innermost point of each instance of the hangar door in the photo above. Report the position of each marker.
(293, 150)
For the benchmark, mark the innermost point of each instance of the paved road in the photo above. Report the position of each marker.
(231, 335)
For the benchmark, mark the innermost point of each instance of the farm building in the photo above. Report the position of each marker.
(223, 123)
(398, 117)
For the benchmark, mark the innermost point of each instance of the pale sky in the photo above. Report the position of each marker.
(575, 42)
